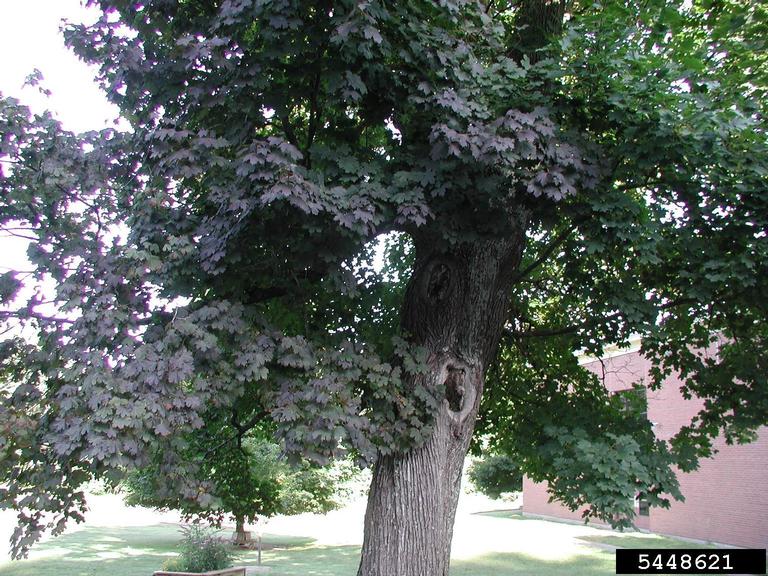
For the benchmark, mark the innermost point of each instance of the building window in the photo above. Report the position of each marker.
(635, 400)
(643, 508)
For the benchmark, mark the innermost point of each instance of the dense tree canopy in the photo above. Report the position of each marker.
(495, 475)
(251, 481)
(546, 177)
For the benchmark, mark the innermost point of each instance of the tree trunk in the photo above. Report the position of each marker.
(242, 537)
(456, 306)
(412, 504)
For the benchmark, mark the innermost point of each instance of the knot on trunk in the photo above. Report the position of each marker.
(455, 387)
(438, 282)
(460, 382)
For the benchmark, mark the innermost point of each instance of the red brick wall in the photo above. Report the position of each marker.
(726, 499)
(535, 501)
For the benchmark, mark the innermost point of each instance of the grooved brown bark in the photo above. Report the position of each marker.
(536, 23)
(455, 306)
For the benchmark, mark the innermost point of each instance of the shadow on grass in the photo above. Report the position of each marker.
(271, 541)
(134, 551)
(343, 561)
(139, 551)
(649, 541)
(128, 551)
(514, 564)
(313, 560)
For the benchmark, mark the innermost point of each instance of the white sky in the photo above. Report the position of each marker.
(29, 39)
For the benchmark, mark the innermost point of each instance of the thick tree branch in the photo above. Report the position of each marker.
(9, 234)
(290, 134)
(545, 254)
(314, 99)
(28, 314)
(536, 23)
(241, 428)
(314, 114)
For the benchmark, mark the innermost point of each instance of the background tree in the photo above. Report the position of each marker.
(242, 471)
(561, 175)
(495, 475)
(249, 481)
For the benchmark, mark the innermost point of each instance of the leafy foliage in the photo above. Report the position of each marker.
(215, 263)
(201, 551)
(604, 436)
(495, 475)
(249, 482)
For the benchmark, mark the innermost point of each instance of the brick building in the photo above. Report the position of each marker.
(726, 499)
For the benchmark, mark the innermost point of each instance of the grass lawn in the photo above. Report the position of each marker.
(132, 551)
(646, 541)
(138, 551)
(98, 551)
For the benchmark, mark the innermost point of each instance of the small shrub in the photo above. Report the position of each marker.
(495, 475)
(201, 551)
(174, 564)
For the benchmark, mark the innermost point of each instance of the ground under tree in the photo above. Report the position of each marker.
(547, 176)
